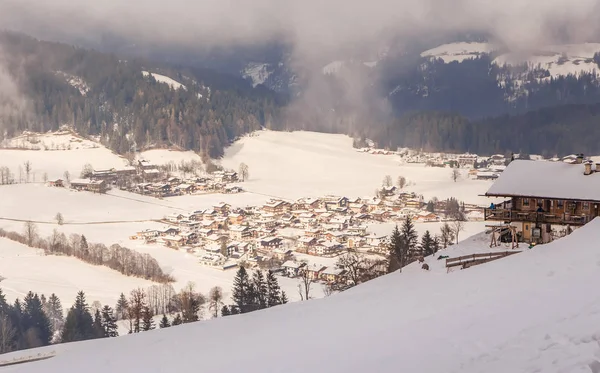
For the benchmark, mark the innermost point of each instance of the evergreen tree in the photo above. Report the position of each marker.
(260, 290)
(430, 206)
(395, 250)
(273, 290)
(98, 327)
(234, 310)
(4, 307)
(54, 311)
(242, 292)
(35, 323)
(147, 320)
(225, 311)
(164, 322)
(79, 324)
(436, 244)
(109, 322)
(284, 299)
(191, 302)
(177, 320)
(121, 308)
(427, 244)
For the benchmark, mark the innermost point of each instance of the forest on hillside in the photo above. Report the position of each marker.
(419, 103)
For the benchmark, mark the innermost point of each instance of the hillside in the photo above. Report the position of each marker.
(126, 103)
(498, 317)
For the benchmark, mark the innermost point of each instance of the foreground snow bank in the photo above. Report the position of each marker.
(525, 313)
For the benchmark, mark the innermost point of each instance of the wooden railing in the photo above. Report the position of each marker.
(467, 261)
(532, 216)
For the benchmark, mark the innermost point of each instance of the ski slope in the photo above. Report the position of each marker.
(531, 312)
(308, 164)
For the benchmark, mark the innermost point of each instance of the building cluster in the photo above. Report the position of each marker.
(148, 179)
(272, 235)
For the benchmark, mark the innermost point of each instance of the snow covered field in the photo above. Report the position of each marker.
(557, 59)
(531, 312)
(164, 156)
(165, 79)
(301, 164)
(25, 269)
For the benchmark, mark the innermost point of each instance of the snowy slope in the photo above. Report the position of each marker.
(301, 164)
(258, 73)
(531, 312)
(458, 51)
(25, 269)
(164, 156)
(165, 79)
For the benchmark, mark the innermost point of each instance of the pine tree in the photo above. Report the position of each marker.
(109, 322)
(79, 324)
(54, 311)
(234, 310)
(427, 244)
(147, 320)
(35, 322)
(395, 250)
(284, 299)
(3, 304)
(273, 290)
(436, 244)
(98, 327)
(121, 308)
(191, 302)
(242, 292)
(259, 287)
(225, 311)
(164, 322)
(177, 320)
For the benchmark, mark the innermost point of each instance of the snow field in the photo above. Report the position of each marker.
(458, 51)
(531, 312)
(164, 156)
(299, 164)
(165, 79)
(26, 269)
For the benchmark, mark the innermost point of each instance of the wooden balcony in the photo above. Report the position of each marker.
(506, 215)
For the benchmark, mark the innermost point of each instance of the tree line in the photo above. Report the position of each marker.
(126, 261)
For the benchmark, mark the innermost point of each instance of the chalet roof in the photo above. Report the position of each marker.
(292, 264)
(546, 180)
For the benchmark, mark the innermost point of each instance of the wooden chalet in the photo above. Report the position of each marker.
(538, 195)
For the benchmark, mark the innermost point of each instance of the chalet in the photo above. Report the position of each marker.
(56, 183)
(275, 206)
(216, 238)
(185, 188)
(232, 189)
(360, 230)
(169, 232)
(333, 275)
(145, 165)
(539, 195)
(174, 217)
(126, 171)
(205, 232)
(337, 236)
(307, 203)
(307, 242)
(380, 215)
(282, 254)
(107, 175)
(426, 217)
(222, 208)
(240, 232)
(414, 203)
(94, 186)
(333, 202)
(271, 242)
(314, 271)
(358, 207)
(312, 232)
(486, 175)
(174, 180)
(325, 248)
(497, 159)
(376, 240)
(339, 223)
(374, 204)
(307, 217)
(388, 191)
(235, 218)
(173, 241)
(150, 174)
(467, 160)
(292, 269)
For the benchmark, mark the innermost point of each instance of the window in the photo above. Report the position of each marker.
(586, 206)
(560, 203)
(525, 201)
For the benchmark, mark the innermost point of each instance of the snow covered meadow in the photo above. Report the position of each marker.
(530, 312)
(286, 165)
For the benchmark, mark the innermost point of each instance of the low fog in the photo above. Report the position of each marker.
(312, 27)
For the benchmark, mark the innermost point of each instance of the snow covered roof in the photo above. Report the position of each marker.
(546, 180)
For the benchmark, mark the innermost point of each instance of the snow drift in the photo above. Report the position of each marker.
(535, 311)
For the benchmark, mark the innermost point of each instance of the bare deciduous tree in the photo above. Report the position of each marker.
(401, 182)
(447, 235)
(86, 171)
(387, 181)
(455, 174)
(243, 171)
(305, 284)
(31, 233)
(67, 176)
(27, 166)
(7, 334)
(215, 300)
(458, 226)
(59, 219)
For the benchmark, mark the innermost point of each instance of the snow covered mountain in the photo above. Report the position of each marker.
(531, 312)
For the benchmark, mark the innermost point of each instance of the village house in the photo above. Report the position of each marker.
(150, 174)
(374, 204)
(335, 202)
(282, 254)
(271, 242)
(108, 175)
(291, 268)
(540, 195)
(204, 232)
(426, 217)
(173, 241)
(216, 239)
(240, 232)
(306, 243)
(174, 217)
(307, 203)
(275, 206)
(314, 271)
(467, 160)
(388, 191)
(325, 248)
(486, 175)
(414, 203)
(56, 183)
(232, 189)
(222, 208)
(380, 215)
(376, 240)
(307, 217)
(333, 275)
(235, 218)
(94, 186)
(185, 188)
